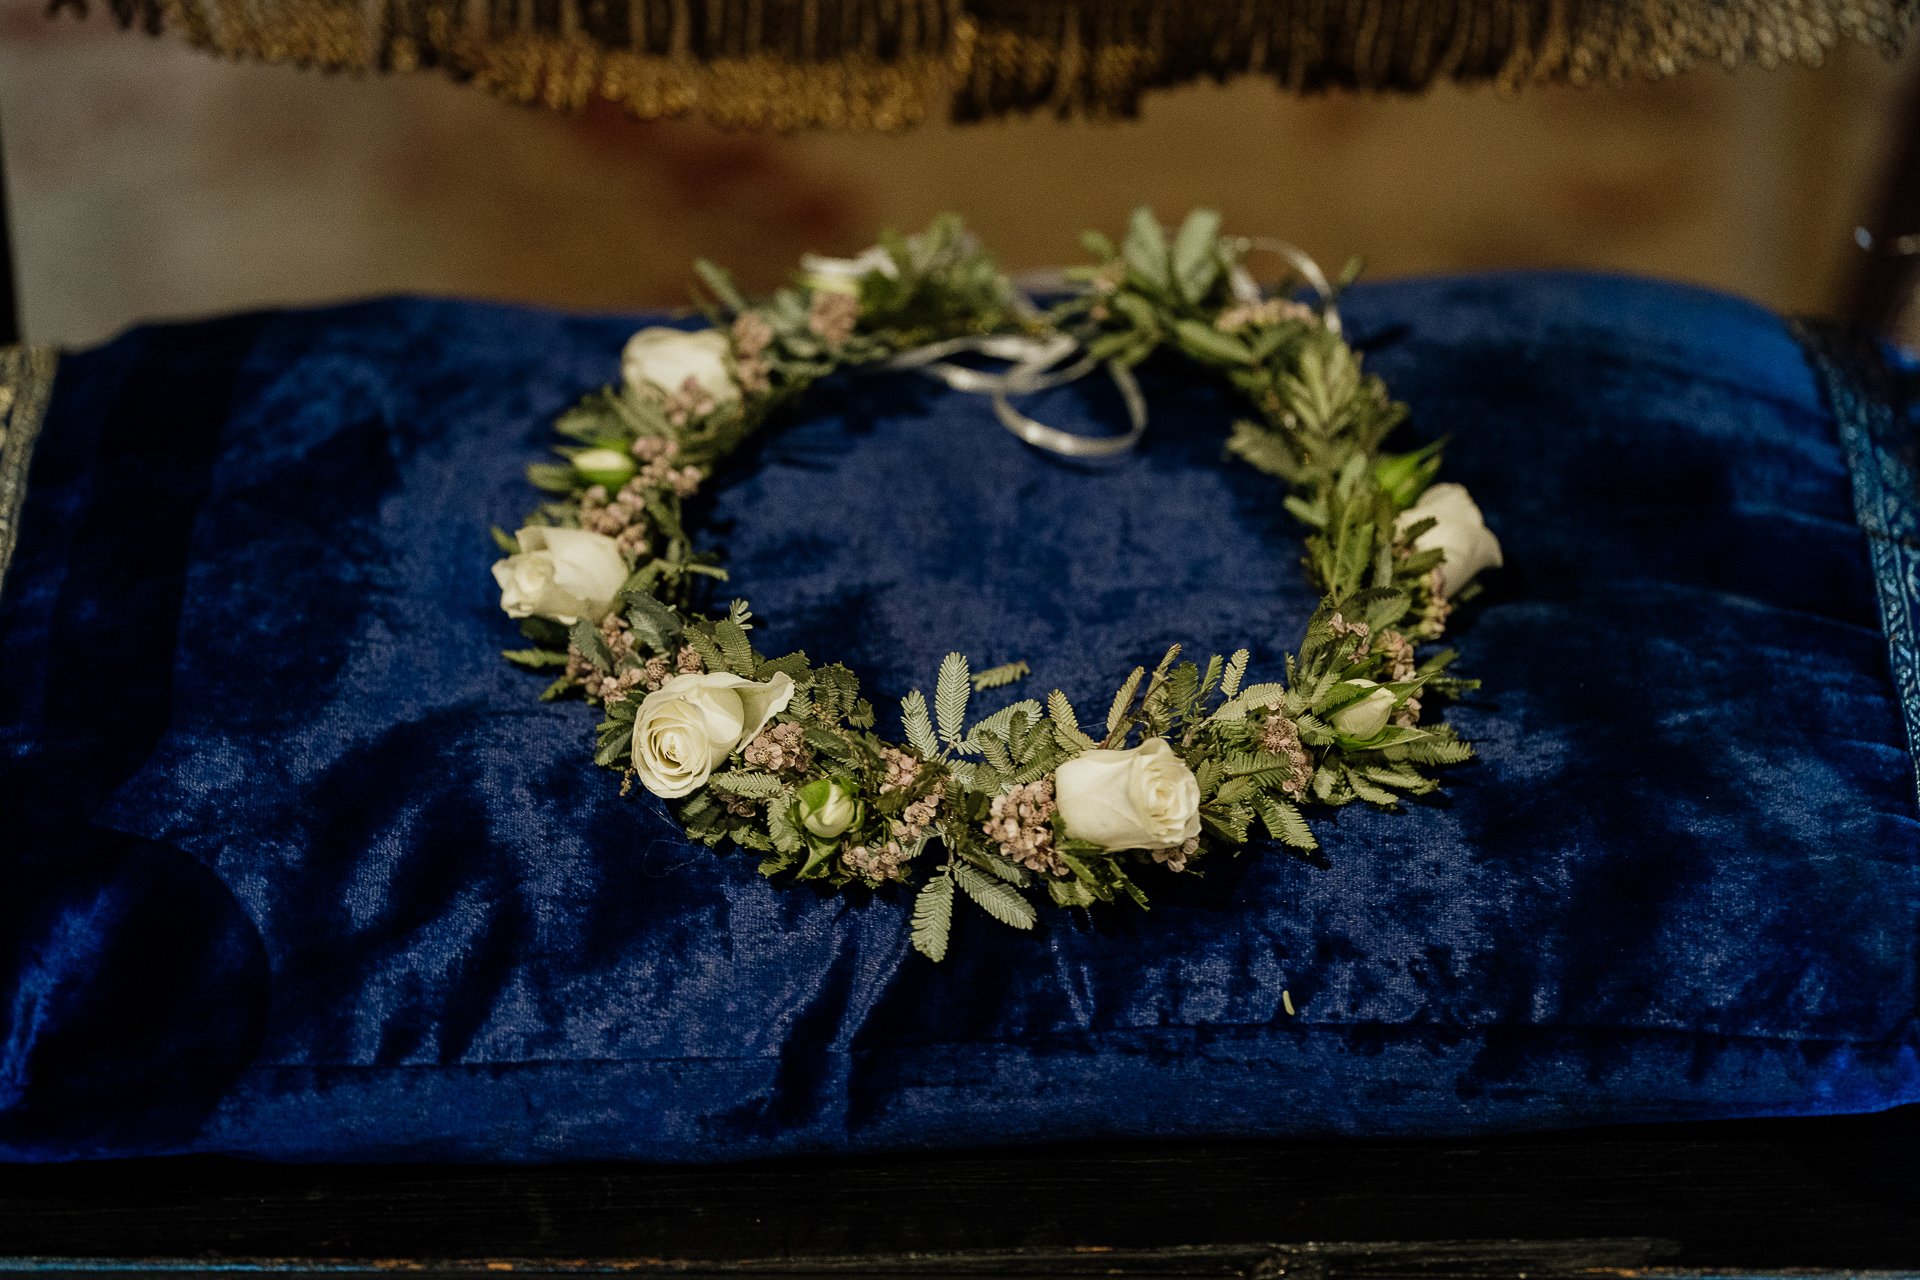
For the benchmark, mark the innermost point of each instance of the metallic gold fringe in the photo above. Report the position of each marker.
(1095, 57)
(881, 64)
(26, 380)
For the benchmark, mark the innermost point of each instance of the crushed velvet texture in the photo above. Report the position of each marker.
(296, 867)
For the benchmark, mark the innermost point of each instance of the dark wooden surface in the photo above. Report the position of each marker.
(1832, 1193)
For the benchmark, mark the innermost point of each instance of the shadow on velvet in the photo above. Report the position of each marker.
(141, 992)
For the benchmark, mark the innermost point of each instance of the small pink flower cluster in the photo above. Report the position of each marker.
(1433, 619)
(656, 453)
(1021, 826)
(831, 316)
(914, 819)
(875, 864)
(1400, 666)
(780, 746)
(607, 688)
(1399, 652)
(902, 768)
(1272, 311)
(685, 663)
(751, 336)
(647, 676)
(1176, 855)
(622, 517)
(1358, 630)
(1281, 737)
(691, 401)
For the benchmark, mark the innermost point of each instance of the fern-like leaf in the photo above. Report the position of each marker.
(996, 753)
(1007, 869)
(999, 724)
(913, 716)
(1434, 751)
(786, 836)
(1256, 697)
(1368, 792)
(1236, 671)
(933, 918)
(535, 657)
(746, 783)
(1402, 779)
(1004, 674)
(710, 654)
(592, 645)
(735, 647)
(1117, 715)
(1284, 822)
(1001, 901)
(1066, 724)
(950, 698)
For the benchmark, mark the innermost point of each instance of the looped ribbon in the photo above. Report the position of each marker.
(1035, 361)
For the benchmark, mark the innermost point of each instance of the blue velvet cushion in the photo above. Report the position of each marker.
(296, 867)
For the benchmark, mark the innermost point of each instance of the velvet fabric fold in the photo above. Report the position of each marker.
(296, 867)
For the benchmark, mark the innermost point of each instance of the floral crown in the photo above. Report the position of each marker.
(777, 755)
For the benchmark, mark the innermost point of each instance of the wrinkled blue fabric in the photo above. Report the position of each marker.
(296, 867)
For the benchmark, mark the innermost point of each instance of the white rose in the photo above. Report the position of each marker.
(1459, 531)
(692, 723)
(843, 275)
(1364, 717)
(563, 574)
(1145, 798)
(666, 358)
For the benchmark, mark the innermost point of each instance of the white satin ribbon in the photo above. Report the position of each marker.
(1035, 361)
(1034, 368)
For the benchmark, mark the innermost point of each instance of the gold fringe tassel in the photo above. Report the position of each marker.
(884, 64)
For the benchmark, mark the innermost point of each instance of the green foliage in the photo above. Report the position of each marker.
(757, 786)
(919, 729)
(1117, 719)
(614, 743)
(933, 917)
(592, 645)
(1284, 822)
(733, 644)
(655, 626)
(1236, 671)
(702, 643)
(1149, 263)
(997, 677)
(793, 664)
(999, 900)
(555, 479)
(721, 283)
(781, 829)
(535, 658)
(1066, 724)
(1196, 255)
(950, 698)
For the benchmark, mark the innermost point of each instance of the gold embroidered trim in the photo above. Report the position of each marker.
(883, 64)
(26, 379)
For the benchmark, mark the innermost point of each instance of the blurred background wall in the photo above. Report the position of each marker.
(147, 181)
